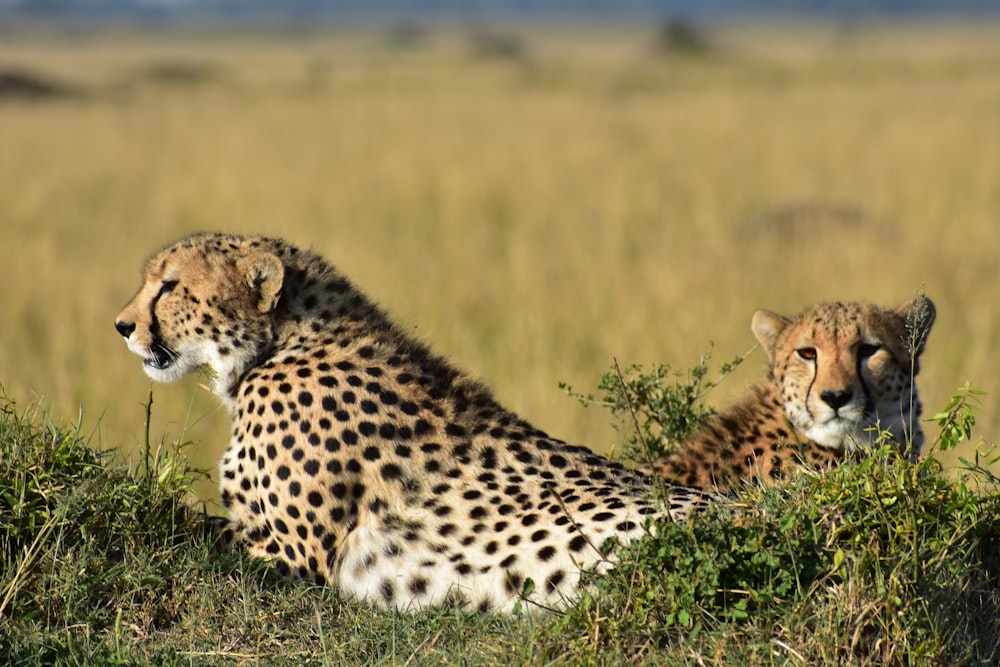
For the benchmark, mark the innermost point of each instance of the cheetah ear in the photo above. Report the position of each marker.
(767, 326)
(918, 315)
(264, 274)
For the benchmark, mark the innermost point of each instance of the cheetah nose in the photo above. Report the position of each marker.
(836, 399)
(125, 328)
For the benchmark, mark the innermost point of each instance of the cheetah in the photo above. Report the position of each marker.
(839, 374)
(362, 460)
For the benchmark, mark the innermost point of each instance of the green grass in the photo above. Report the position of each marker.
(880, 562)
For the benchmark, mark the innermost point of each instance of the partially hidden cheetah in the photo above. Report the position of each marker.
(839, 374)
(361, 459)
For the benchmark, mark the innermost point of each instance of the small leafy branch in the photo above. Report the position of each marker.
(957, 419)
(665, 406)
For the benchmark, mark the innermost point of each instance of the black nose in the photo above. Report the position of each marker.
(125, 328)
(836, 399)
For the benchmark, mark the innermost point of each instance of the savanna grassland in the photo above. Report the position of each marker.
(534, 203)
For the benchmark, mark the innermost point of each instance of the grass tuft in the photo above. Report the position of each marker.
(879, 562)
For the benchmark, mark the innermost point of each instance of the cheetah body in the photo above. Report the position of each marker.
(361, 459)
(839, 375)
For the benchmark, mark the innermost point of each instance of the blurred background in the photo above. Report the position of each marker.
(534, 189)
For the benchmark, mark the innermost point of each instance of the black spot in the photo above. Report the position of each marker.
(305, 398)
(545, 554)
(391, 471)
(283, 472)
(408, 407)
(372, 454)
(369, 407)
(553, 580)
(387, 431)
(349, 437)
(329, 404)
(418, 585)
(311, 467)
(367, 429)
(577, 543)
(388, 591)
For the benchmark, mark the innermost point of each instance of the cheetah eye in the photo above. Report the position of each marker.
(866, 350)
(167, 287)
(807, 353)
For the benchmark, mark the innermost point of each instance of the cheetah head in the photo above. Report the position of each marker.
(205, 302)
(846, 369)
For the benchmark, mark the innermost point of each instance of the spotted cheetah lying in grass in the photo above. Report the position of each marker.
(358, 457)
(839, 373)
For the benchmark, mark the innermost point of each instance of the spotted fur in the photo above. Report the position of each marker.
(839, 374)
(359, 458)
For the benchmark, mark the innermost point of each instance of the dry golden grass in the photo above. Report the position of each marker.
(530, 217)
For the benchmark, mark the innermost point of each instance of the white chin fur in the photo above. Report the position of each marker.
(834, 434)
(175, 371)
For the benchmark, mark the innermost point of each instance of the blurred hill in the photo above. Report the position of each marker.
(339, 10)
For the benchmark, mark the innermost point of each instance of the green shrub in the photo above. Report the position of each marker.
(661, 408)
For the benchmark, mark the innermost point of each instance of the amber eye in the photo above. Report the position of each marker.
(807, 353)
(866, 350)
